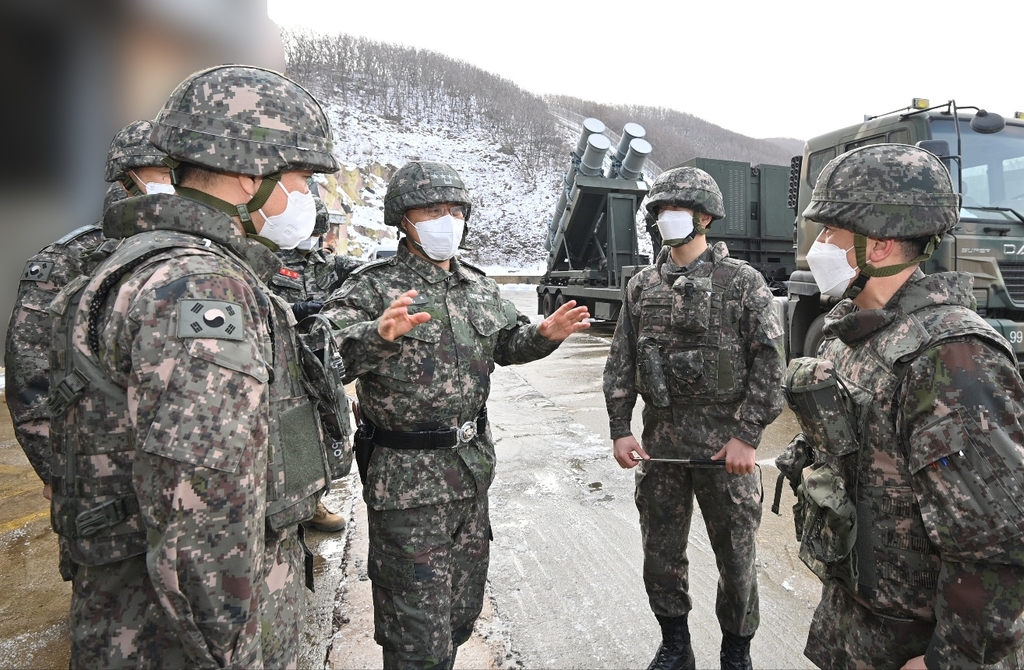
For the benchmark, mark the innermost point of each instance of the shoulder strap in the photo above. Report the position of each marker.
(76, 233)
(390, 260)
(932, 325)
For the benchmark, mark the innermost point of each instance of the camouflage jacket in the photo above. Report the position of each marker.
(940, 470)
(737, 322)
(435, 376)
(206, 356)
(26, 357)
(311, 277)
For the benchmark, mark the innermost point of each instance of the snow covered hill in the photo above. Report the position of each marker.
(510, 213)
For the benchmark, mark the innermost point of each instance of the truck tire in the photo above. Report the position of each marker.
(559, 301)
(814, 336)
(548, 304)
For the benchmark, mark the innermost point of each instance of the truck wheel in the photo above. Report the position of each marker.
(547, 304)
(559, 301)
(814, 336)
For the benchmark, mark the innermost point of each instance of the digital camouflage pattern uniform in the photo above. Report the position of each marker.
(26, 355)
(202, 569)
(911, 509)
(428, 516)
(311, 275)
(195, 451)
(720, 347)
(938, 472)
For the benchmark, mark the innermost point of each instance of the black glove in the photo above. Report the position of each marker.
(306, 308)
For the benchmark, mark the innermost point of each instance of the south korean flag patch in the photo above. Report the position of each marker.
(213, 319)
(37, 271)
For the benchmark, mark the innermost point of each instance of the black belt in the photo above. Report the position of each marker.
(443, 438)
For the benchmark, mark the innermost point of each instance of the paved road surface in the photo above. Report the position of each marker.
(565, 580)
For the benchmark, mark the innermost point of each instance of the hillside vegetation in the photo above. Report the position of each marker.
(409, 86)
(390, 104)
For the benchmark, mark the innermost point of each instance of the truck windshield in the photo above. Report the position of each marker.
(993, 169)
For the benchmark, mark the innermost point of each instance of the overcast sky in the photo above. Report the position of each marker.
(782, 68)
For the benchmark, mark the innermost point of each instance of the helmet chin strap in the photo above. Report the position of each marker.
(242, 211)
(860, 243)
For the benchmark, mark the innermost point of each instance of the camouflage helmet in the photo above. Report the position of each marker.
(115, 193)
(685, 186)
(885, 191)
(245, 120)
(422, 183)
(130, 149)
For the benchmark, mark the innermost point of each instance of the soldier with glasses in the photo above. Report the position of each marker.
(421, 331)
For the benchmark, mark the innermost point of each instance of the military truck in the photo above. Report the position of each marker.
(592, 236)
(985, 155)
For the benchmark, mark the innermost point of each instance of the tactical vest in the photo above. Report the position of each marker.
(93, 505)
(686, 349)
(862, 526)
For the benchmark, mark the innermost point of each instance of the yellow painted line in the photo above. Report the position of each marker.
(21, 521)
(15, 494)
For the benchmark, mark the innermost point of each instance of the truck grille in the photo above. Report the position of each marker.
(1013, 276)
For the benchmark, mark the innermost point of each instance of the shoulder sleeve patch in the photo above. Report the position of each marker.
(37, 271)
(213, 319)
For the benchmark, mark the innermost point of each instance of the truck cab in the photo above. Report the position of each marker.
(985, 154)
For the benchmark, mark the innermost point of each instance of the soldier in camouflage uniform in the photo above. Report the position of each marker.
(132, 162)
(422, 331)
(909, 469)
(308, 275)
(186, 451)
(698, 338)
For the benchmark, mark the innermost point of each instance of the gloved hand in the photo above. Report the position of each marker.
(306, 308)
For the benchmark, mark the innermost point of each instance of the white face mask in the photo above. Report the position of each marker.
(830, 269)
(153, 187)
(440, 238)
(675, 226)
(294, 224)
(309, 244)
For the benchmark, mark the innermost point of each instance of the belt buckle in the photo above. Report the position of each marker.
(466, 432)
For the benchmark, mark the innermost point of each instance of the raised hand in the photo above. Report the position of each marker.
(396, 320)
(566, 320)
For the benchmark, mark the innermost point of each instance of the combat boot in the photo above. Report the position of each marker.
(325, 520)
(735, 652)
(675, 652)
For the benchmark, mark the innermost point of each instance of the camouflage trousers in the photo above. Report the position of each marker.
(845, 634)
(731, 507)
(117, 620)
(429, 567)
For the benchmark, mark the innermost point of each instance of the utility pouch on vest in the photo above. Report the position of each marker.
(822, 404)
(650, 376)
(791, 463)
(323, 371)
(301, 457)
(830, 525)
(363, 444)
(691, 304)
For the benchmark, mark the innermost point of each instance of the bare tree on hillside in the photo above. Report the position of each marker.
(415, 86)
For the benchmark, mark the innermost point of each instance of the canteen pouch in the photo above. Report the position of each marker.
(822, 405)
